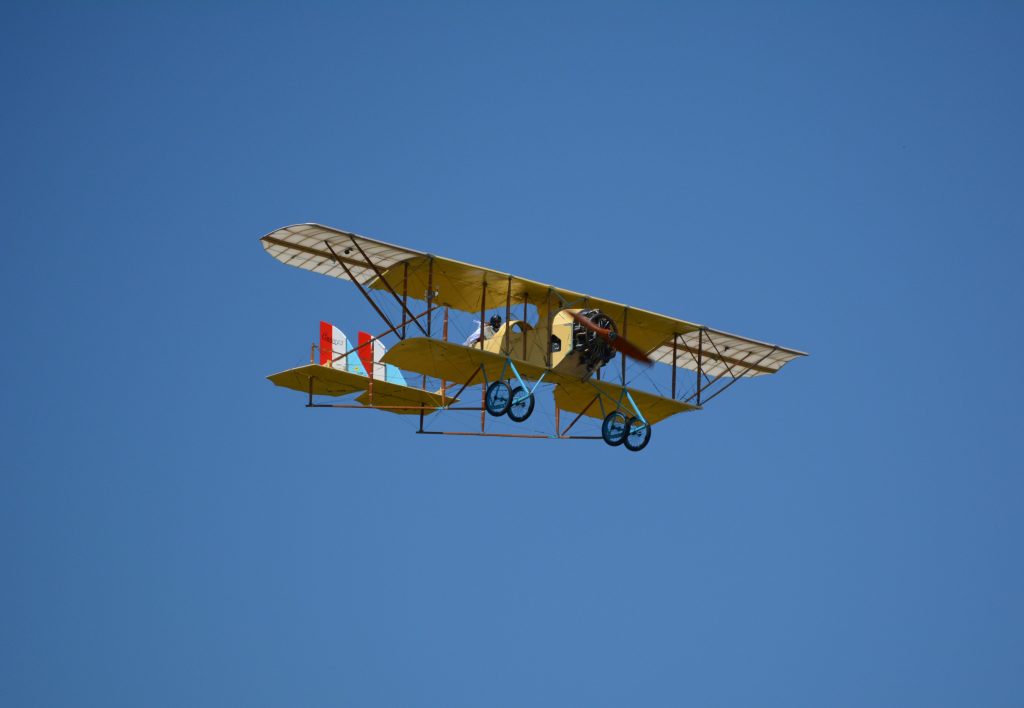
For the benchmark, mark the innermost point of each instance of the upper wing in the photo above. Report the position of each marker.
(719, 353)
(471, 288)
(455, 284)
(309, 246)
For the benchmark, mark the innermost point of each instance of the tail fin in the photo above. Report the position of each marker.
(333, 344)
(371, 353)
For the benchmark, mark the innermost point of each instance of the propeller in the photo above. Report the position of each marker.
(617, 342)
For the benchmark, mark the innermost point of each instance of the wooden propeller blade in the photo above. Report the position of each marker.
(620, 343)
(629, 349)
(590, 325)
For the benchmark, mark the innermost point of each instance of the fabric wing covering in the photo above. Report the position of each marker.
(308, 246)
(469, 288)
(723, 354)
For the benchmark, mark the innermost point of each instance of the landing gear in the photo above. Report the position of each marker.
(622, 426)
(613, 429)
(499, 398)
(618, 429)
(520, 404)
(638, 436)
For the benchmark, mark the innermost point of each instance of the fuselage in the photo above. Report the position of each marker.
(547, 344)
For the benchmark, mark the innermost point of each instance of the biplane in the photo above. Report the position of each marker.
(548, 336)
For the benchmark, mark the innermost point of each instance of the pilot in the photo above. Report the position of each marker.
(488, 330)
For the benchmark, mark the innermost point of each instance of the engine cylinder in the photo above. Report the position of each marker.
(593, 351)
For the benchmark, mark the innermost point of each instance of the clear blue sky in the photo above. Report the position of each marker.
(845, 179)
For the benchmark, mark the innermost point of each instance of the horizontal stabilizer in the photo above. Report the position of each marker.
(325, 381)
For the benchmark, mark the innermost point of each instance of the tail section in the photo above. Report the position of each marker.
(337, 352)
(333, 347)
(371, 353)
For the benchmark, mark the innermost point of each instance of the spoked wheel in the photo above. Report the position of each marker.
(638, 436)
(521, 405)
(613, 429)
(498, 398)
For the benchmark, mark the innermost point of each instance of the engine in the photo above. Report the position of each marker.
(594, 352)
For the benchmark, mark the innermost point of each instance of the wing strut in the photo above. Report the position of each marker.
(580, 414)
(721, 390)
(360, 286)
(381, 277)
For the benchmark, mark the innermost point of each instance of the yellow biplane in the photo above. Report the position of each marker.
(547, 335)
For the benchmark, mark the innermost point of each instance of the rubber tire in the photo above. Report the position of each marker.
(630, 445)
(514, 416)
(607, 423)
(498, 409)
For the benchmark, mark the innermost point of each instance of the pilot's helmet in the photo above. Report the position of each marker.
(495, 322)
